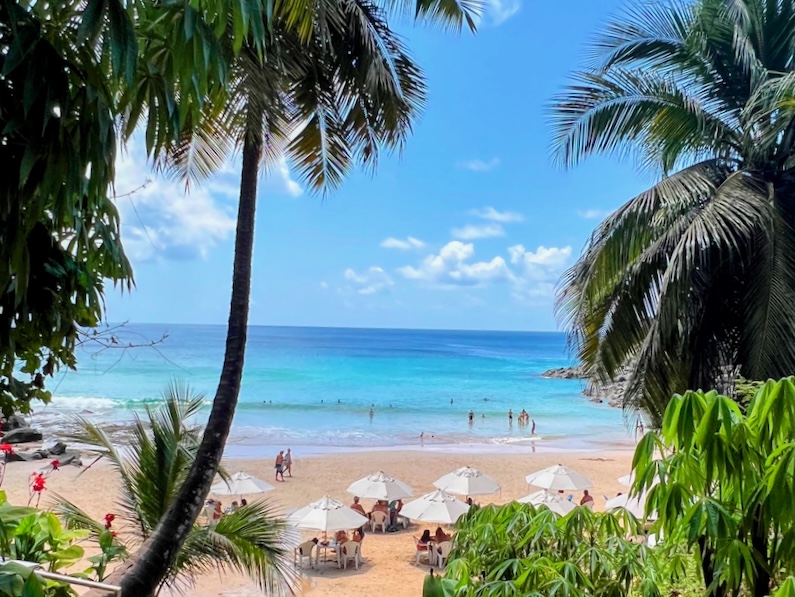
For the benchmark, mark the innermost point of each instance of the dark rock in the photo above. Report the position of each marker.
(22, 435)
(58, 449)
(14, 422)
(69, 458)
(15, 457)
(565, 373)
(35, 456)
(76, 462)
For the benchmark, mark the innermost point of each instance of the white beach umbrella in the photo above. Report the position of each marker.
(467, 481)
(635, 505)
(326, 514)
(437, 506)
(380, 486)
(554, 502)
(559, 477)
(241, 484)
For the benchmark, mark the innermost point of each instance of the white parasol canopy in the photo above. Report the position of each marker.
(380, 486)
(554, 502)
(241, 484)
(437, 506)
(559, 477)
(467, 481)
(326, 514)
(635, 505)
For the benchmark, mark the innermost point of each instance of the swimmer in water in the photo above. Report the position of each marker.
(471, 416)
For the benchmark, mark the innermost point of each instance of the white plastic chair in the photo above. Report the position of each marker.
(442, 553)
(378, 518)
(402, 520)
(350, 552)
(423, 548)
(303, 551)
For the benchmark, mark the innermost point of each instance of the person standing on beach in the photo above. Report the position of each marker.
(288, 463)
(280, 466)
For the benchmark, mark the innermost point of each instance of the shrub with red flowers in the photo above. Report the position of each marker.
(37, 485)
(6, 449)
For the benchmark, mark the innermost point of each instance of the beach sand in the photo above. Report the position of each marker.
(389, 567)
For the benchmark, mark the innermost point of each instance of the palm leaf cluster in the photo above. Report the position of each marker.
(328, 95)
(152, 469)
(692, 282)
(501, 551)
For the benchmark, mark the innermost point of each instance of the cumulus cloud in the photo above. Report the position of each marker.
(496, 12)
(537, 271)
(478, 165)
(403, 245)
(593, 214)
(159, 220)
(452, 266)
(372, 281)
(489, 213)
(474, 232)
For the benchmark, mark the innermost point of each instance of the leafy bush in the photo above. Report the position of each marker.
(726, 485)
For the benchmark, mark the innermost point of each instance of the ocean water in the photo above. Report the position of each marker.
(315, 387)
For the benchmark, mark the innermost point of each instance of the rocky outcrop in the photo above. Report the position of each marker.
(14, 422)
(57, 449)
(611, 392)
(22, 435)
(565, 373)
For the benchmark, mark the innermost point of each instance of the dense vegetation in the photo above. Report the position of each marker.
(720, 487)
(691, 282)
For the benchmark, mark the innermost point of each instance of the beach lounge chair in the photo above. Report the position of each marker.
(422, 548)
(378, 518)
(350, 552)
(303, 551)
(442, 553)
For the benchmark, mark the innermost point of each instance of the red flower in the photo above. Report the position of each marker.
(7, 448)
(38, 483)
(55, 464)
(113, 534)
(109, 518)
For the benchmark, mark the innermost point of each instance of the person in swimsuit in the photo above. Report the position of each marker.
(471, 416)
(280, 466)
(288, 463)
(510, 417)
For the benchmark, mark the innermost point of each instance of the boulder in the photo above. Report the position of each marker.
(22, 457)
(69, 458)
(58, 449)
(14, 422)
(565, 373)
(22, 435)
(76, 462)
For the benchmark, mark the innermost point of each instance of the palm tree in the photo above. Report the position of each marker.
(693, 281)
(153, 468)
(332, 86)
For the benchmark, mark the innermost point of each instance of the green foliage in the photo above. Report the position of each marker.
(76, 79)
(17, 580)
(518, 550)
(726, 484)
(691, 282)
(152, 470)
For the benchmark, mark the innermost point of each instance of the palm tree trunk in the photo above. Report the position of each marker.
(141, 574)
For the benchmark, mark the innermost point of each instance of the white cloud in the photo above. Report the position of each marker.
(593, 214)
(452, 267)
(538, 271)
(372, 281)
(324, 285)
(489, 213)
(496, 12)
(161, 220)
(478, 165)
(403, 245)
(473, 232)
(284, 178)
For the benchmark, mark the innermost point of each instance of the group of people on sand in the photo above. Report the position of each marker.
(390, 509)
(284, 464)
(438, 537)
(218, 509)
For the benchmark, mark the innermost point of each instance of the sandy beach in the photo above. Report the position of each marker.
(389, 567)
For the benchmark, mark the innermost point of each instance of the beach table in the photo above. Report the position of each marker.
(332, 545)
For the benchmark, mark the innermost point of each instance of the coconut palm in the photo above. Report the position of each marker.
(328, 93)
(152, 468)
(693, 281)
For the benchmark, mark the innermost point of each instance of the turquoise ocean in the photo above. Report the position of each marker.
(313, 388)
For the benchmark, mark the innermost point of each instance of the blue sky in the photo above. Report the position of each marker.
(469, 229)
